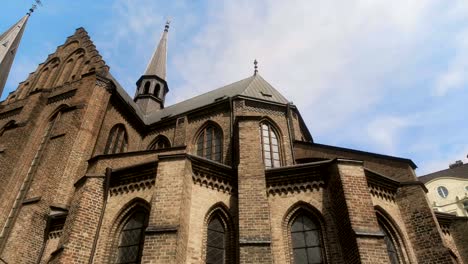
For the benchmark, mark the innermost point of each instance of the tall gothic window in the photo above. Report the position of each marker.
(392, 240)
(270, 146)
(306, 240)
(161, 142)
(391, 249)
(216, 242)
(209, 143)
(132, 238)
(117, 141)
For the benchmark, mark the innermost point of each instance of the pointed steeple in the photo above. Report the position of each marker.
(9, 42)
(157, 64)
(152, 86)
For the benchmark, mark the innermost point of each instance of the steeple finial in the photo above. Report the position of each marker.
(31, 10)
(255, 67)
(166, 27)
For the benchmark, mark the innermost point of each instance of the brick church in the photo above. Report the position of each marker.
(90, 174)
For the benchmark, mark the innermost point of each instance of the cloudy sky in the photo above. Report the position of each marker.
(376, 75)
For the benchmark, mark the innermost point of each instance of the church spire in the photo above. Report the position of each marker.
(152, 86)
(9, 42)
(157, 64)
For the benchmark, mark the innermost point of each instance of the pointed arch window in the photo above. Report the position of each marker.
(117, 141)
(396, 251)
(270, 146)
(131, 238)
(216, 242)
(306, 240)
(161, 142)
(209, 143)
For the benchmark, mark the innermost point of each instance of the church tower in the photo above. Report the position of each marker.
(152, 86)
(9, 42)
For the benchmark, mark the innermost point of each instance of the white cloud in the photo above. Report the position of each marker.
(385, 132)
(454, 77)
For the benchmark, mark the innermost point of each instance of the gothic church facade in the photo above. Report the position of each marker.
(90, 175)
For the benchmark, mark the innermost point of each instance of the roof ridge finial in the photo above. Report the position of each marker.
(168, 22)
(255, 67)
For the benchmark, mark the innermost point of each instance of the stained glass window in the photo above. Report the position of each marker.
(209, 143)
(216, 242)
(132, 238)
(306, 241)
(270, 145)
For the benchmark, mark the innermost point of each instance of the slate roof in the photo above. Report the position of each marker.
(457, 172)
(253, 87)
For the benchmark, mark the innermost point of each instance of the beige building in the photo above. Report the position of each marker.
(448, 189)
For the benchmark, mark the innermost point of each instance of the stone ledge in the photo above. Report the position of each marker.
(161, 229)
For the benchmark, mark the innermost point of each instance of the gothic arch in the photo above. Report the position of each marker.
(117, 140)
(391, 229)
(200, 141)
(296, 210)
(135, 205)
(69, 68)
(160, 139)
(220, 212)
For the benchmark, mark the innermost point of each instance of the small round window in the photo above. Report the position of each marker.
(442, 191)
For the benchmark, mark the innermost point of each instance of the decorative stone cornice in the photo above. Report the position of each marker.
(213, 175)
(298, 178)
(61, 97)
(381, 186)
(134, 178)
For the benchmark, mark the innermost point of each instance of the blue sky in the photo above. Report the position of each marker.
(381, 76)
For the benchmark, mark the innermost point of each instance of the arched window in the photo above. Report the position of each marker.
(117, 141)
(131, 238)
(157, 89)
(306, 240)
(216, 242)
(161, 142)
(147, 86)
(392, 239)
(270, 146)
(209, 143)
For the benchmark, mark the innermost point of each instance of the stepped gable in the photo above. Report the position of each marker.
(78, 47)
